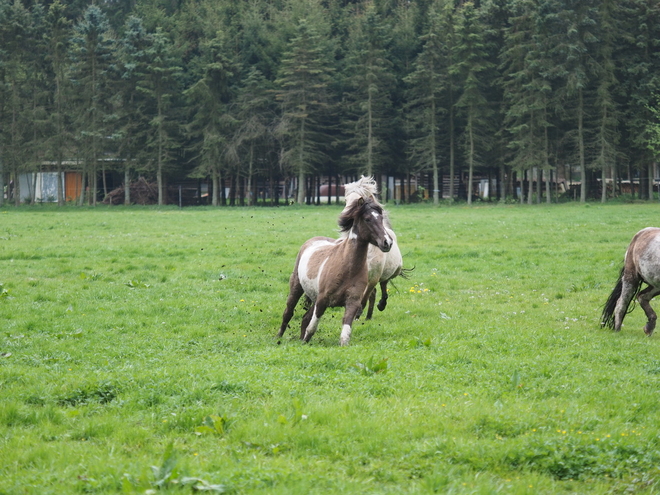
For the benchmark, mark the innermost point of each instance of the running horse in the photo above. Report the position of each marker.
(641, 264)
(383, 266)
(333, 273)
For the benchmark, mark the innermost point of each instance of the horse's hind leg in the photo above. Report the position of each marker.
(311, 321)
(372, 302)
(295, 293)
(628, 290)
(382, 304)
(644, 299)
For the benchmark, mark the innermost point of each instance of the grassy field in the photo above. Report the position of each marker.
(138, 355)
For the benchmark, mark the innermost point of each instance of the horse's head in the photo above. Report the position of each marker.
(365, 220)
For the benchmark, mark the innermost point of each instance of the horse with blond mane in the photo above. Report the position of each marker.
(382, 266)
(333, 273)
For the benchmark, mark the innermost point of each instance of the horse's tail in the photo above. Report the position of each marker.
(405, 272)
(607, 317)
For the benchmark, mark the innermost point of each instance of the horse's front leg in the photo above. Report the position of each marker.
(644, 299)
(311, 320)
(352, 309)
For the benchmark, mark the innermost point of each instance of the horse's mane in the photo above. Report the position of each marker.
(366, 187)
(353, 211)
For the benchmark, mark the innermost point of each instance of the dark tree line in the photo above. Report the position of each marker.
(276, 92)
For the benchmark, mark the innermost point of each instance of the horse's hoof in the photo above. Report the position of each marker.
(648, 332)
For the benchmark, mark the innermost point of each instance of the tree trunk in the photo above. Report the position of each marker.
(127, 186)
(370, 137)
(159, 171)
(502, 185)
(451, 152)
(105, 182)
(651, 176)
(470, 161)
(2, 184)
(583, 170)
(215, 185)
(33, 188)
(81, 199)
(301, 165)
(249, 175)
(434, 159)
(546, 154)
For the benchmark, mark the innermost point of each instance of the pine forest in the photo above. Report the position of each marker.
(271, 102)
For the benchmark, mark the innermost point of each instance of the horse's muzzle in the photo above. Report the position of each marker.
(386, 245)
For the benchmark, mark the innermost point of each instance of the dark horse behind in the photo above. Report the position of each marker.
(641, 264)
(333, 272)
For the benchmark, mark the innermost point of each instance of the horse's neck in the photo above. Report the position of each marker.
(355, 251)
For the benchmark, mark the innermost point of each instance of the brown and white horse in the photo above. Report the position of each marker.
(383, 266)
(641, 264)
(333, 273)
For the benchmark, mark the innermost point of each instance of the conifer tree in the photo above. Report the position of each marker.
(472, 69)
(448, 22)
(574, 65)
(37, 97)
(15, 31)
(427, 88)
(134, 48)
(212, 124)
(606, 135)
(92, 51)
(256, 115)
(526, 92)
(58, 34)
(368, 102)
(161, 85)
(639, 69)
(303, 83)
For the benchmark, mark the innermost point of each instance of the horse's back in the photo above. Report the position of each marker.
(644, 254)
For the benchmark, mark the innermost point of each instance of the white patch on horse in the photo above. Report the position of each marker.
(376, 215)
(313, 325)
(311, 285)
(352, 235)
(345, 335)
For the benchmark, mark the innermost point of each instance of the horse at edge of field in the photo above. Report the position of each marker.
(383, 266)
(333, 272)
(641, 264)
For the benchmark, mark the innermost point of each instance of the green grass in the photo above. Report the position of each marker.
(138, 353)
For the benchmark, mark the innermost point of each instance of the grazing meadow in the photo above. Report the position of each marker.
(138, 355)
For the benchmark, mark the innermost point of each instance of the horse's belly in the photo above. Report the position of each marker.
(310, 267)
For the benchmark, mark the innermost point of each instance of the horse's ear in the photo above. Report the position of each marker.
(361, 201)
